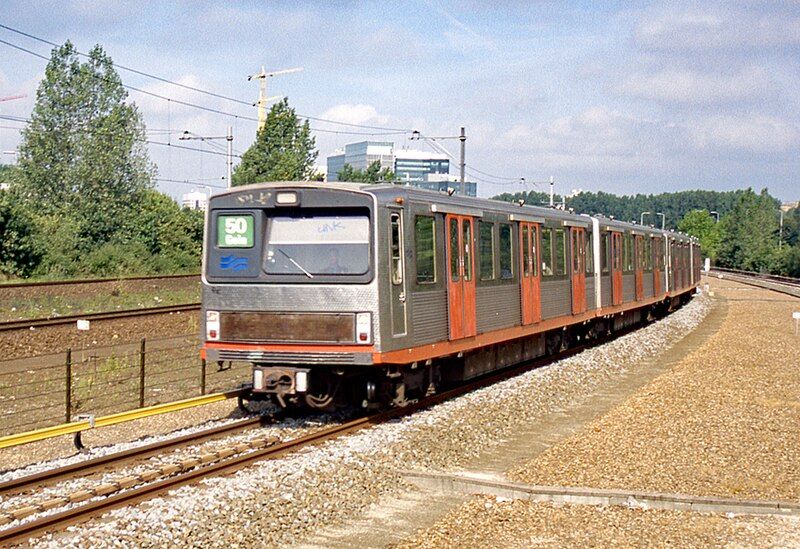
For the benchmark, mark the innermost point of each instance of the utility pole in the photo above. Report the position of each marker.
(641, 217)
(262, 91)
(663, 219)
(552, 183)
(229, 139)
(780, 232)
(463, 138)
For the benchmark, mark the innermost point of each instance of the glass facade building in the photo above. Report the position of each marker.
(360, 155)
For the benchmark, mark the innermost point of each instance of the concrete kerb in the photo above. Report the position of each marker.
(465, 483)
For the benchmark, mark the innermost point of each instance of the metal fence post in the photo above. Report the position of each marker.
(142, 353)
(203, 376)
(68, 386)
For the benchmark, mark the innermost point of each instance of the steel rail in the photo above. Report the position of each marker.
(70, 282)
(764, 276)
(107, 315)
(82, 468)
(81, 513)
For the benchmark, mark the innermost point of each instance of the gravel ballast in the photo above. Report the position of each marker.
(724, 421)
(276, 502)
(489, 522)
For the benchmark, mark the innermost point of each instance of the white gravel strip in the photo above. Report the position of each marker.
(277, 502)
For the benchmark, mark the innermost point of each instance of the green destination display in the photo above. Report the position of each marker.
(235, 231)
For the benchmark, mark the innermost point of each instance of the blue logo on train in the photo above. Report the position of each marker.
(233, 263)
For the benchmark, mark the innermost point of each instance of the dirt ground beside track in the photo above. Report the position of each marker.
(56, 339)
(723, 421)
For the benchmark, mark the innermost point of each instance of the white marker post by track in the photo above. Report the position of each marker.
(83, 325)
(796, 317)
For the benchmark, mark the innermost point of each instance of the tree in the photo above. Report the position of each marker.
(83, 153)
(373, 174)
(750, 233)
(18, 253)
(284, 150)
(704, 226)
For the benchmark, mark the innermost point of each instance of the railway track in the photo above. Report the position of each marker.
(43, 283)
(108, 315)
(200, 468)
(781, 284)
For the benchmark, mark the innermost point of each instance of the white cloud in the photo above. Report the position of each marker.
(355, 114)
(750, 133)
(691, 86)
(716, 29)
(598, 139)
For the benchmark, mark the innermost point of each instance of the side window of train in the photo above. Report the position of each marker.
(605, 252)
(560, 253)
(506, 252)
(547, 252)
(486, 249)
(589, 253)
(425, 249)
(396, 237)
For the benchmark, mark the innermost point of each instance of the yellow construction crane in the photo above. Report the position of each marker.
(262, 91)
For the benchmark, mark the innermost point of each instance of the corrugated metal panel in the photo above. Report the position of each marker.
(647, 284)
(628, 288)
(591, 302)
(498, 307)
(605, 291)
(429, 316)
(556, 298)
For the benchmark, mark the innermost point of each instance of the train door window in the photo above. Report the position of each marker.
(547, 252)
(534, 250)
(396, 244)
(560, 255)
(527, 260)
(576, 251)
(627, 256)
(454, 273)
(589, 253)
(466, 241)
(506, 252)
(617, 259)
(425, 249)
(486, 249)
(605, 252)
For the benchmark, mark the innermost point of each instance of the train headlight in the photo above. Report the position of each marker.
(212, 325)
(364, 328)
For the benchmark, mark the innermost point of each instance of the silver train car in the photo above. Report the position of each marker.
(344, 293)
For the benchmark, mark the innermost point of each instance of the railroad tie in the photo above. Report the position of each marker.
(107, 488)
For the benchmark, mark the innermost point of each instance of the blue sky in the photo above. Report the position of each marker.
(613, 96)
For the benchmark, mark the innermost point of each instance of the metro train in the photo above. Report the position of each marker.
(375, 294)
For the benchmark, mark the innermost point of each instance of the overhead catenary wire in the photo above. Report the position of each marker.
(207, 92)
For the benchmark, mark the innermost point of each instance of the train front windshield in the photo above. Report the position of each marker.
(317, 245)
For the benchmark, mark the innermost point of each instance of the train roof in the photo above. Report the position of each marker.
(387, 192)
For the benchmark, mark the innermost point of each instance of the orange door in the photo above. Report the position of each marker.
(578, 255)
(616, 268)
(461, 276)
(529, 244)
(658, 245)
(638, 255)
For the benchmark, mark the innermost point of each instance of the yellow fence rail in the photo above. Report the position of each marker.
(113, 419)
